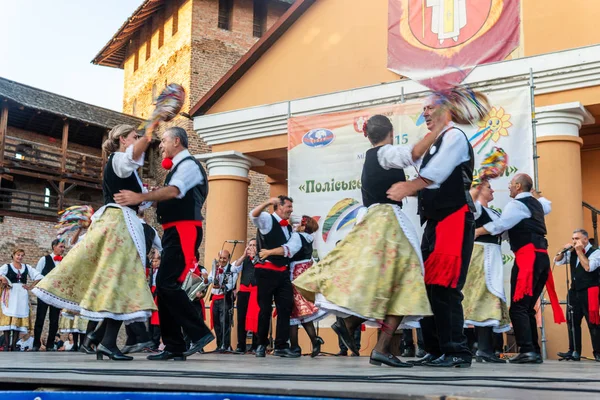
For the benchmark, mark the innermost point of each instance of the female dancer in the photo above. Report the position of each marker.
(303, 312)
(103, 277)
(376, 272)
(16, 316)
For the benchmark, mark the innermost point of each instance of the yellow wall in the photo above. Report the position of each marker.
(590, 165)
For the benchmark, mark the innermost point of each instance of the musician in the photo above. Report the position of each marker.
(247, 297)
(221, 304)
(583, 298)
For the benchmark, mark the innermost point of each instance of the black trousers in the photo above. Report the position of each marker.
(221, 318)
(443, 333)
(136, 333)
(579, 308)
(273, 285)
(243, 298)
(175, 310)
(409, 341)
(522, 313)
(40, 317)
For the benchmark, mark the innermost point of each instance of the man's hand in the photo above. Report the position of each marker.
(579, 247)
(128, 198)
(535, 193)
(274, 201)
(264, 253)
(399, 191)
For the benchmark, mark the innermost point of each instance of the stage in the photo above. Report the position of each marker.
(325, 376)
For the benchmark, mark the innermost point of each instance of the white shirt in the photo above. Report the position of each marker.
(219, 279)
(264, 223)
(154, 273)
(187, 175)
(42, 263)
(593, 259)
(156, 242)
(453, 151)
(493, 214)
(124, 165)
(397, 157)
(34, 275)
(25, 344)
(514, 212)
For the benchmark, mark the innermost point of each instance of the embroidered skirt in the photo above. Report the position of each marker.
(70, 323)
(303, 311)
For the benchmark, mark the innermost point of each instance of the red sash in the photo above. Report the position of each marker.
(269, 265)
(187, 235)
(203, 305)
(442, 267)
(253, 308)
(212, 303)
(594, 304)
(154, 317)
(525, 260)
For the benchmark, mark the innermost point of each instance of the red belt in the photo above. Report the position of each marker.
(212, 303)
(271, 266)
(253, 310)
(187, 235)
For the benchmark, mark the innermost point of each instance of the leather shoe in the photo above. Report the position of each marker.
(450, 362)
(316, 347)
(199, 345)
(261, 351)
(88, 343)
(239, 350)
(390, 360)
(166, 355)
(296, 349)
(342, 353)
(597, 357)
(421, 361)
(339, 327)
(420, 353)
(287, 353)
(480, 356)
(408, 352)
(531, 357)
(114, 355)
(569, 356)
(136, 348)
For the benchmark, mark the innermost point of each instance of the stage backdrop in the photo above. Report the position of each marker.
(326, 155)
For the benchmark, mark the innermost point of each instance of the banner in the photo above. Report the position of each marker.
(326, 155)
(438, 42)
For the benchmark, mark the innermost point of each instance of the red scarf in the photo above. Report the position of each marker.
(442, 267)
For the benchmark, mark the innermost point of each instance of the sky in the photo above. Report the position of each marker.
(49, 44)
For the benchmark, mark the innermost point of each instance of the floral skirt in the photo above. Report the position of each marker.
(303, 311)
(375, 271)
(70, 323)
(480, 306)
(102, 277)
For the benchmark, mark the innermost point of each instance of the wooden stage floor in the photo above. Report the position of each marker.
(325, 376)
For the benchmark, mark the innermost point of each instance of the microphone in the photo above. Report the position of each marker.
(234, 241)
(563, 251)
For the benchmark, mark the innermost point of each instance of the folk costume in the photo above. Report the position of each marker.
(44, 266)
(16, 315)
(583, 298)
(523, 218)
(379, 258)
(181, 219)
(446, 209)
(247, 303)
(221, 304)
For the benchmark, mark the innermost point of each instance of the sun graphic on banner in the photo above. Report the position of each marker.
(492, 128)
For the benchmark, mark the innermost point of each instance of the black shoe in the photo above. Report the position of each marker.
(261, 351)
(450, 362)
(316, 347)
(420, 353)
(340, 328)
(569, 356)
(408, 352)
(166, 355)
(597, 357)
(530, 357)
(287, 353)
(390, 360)
(114, 355)
(136, 348)
(422, 361)
(199, 345)
(296, 349)
(342, 353)
(480, 356)
(239, 350)
(88, 345)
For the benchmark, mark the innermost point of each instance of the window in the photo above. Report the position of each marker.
(260, 18)
(19, 156)
(47, 197)
(225, 11)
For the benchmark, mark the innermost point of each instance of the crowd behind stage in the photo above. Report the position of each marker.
(448, 283)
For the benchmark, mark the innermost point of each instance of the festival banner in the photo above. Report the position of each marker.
(438, 42)
(326, 154)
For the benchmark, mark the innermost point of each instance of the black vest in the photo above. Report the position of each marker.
(189, 208)
(483, 219)
(376, 180)
(453, 193)
(112, 184)
(12, 276)
(49, 266)
(272, 240)
(582, 279)
(529, 230)
(305, 252)
(248, 273)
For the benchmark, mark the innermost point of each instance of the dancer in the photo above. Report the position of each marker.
(179, 210)
(304, 312)
(379, 258)
(484, 301)
(247, 298)
(16, 316)
(103, 276)
(523, 218)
